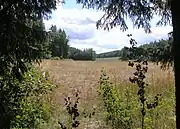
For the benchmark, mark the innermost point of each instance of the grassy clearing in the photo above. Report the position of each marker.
(84, 76)
(108, 59)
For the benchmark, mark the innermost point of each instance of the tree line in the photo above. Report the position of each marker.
(156, 51)
(108, 54)
(86, 54)
(58, 47)
(24, 42)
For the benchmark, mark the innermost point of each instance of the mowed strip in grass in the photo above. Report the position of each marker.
(84, 76)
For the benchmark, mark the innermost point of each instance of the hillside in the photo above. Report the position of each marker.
(108, 54)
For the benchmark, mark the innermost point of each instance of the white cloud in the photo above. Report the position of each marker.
(80, 25)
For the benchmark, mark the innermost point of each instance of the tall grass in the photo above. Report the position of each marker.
(84, 76)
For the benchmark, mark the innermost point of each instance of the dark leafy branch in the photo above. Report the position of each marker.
(140, 12)
(138, 78)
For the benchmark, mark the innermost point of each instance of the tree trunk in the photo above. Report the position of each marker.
(176, 53)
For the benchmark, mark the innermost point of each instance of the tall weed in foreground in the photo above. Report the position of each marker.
(133, 107)
(73, 117)
(72, 113)
(140, 110)
(139, 76)
(147, 105)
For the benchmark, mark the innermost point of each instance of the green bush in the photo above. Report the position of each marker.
(123, 109)
(27, 103)
(35, 106)
(119, 111)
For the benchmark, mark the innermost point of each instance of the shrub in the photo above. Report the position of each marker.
(134, 106)
(28, 101)
(119, 112)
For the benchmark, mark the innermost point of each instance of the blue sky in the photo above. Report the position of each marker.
(80, 26)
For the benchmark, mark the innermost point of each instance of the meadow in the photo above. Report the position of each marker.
(84, 76)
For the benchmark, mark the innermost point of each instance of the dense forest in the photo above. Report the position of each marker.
(108, 54)
(77, 54)
(153, 51)
(58, 48)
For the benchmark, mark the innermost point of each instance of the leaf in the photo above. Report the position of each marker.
(18, 116)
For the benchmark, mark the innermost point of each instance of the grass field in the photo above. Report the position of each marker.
(84, 76)
(108, 59)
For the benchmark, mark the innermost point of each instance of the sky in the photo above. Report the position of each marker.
(80, 26)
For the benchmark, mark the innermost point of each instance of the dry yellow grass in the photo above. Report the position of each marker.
(84, 76)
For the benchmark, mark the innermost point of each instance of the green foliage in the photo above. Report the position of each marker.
(35, 105)
(26, 105)
(108, 54)
(139, 76)
(59, 47)
(22, 34)
(86, 54)
(23, 40)
(114, 105)
(119, 112)
(58, 43)
(124, 109)
(159, 52)
(140, 12)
